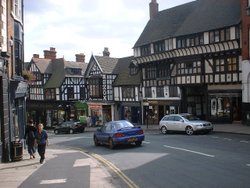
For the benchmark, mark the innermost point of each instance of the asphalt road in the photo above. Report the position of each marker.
(176, 160)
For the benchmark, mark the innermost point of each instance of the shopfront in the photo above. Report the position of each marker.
(99, 113)
(224, 107)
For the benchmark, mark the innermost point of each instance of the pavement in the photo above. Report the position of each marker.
(13, 174)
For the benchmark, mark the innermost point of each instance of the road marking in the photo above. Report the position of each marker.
(126, 179)
(244, 141)
(55, 181)
(215, 137)
(191, 151)
(248, 164)
(229, 139)
(145, 142)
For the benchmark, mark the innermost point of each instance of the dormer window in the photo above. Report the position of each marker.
(75, 71)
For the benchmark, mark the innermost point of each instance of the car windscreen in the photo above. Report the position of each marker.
(122, 125)
(190, 117)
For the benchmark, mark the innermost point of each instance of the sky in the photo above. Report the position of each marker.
(86, 26)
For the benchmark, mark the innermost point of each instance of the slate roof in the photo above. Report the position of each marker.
(194, 17)
(107, 63)
(44, 65)
(123, 76)
(59, 69)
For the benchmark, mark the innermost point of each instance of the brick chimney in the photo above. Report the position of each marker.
(106, 52)
(35, 55)
(153, 9)
(50, 54)
(80, 58)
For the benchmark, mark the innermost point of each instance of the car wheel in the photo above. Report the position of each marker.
(164, 130)
(71, 131)
(138, 143)
(96, 141)
(56, 131)
(189, 130)
(111, 143)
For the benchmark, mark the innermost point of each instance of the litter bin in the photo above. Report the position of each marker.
(16, 151)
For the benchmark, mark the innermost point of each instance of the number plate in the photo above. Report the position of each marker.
(132, 139)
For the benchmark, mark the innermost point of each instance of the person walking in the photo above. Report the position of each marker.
(41, 140)
(30, 139)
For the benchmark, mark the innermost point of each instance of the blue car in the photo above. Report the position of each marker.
(118, 132)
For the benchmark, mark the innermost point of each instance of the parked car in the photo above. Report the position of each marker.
(184, 122)
(118, 132)
(69, 127)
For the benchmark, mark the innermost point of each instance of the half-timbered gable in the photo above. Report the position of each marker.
(99, 79)
(42, 70)
(188, 51)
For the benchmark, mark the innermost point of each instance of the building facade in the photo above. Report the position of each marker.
(57, 92)
(13, 87)
(191, 63)
(99, 77)
(245, 15)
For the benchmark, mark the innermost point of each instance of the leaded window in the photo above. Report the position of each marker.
(95, 88)
(128, 92)
(145, 50)
(148, 92)
(159, 46)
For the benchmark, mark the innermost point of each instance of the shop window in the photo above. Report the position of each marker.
(220, 107)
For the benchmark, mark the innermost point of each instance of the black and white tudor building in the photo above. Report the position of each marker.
(187, 59)
(190, 56)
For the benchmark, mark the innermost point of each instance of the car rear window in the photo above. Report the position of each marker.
(121, 125)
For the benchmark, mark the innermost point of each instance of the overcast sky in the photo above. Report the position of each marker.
(86, 26)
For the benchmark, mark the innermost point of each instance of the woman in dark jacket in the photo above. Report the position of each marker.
(30, 139)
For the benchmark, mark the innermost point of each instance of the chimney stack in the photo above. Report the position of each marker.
(50, 54)
(35, 55)
(106, 52)
(153, 9)
(80, 58)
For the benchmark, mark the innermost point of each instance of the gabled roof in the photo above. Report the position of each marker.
(123, 76)
(106, 63)
(68, 65)
(61, 69)
(194, 17)
(58, 74)
(44, 65)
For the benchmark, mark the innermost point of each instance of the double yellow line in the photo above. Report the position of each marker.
(116, 170)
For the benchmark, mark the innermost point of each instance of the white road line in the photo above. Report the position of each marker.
(145, 142)
(244, 141)
(191, 151)
(248, 164)
(229, 139)
(215, 137)
(55, 181)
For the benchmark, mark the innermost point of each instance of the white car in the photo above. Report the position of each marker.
(184, 122)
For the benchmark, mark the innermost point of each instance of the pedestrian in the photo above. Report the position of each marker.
(41, 140)
(30, 139)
